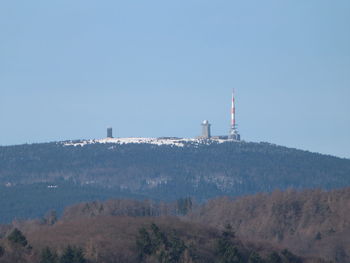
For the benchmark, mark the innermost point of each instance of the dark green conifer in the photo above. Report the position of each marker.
(227, 252)
(2, 251)
(274, 257)
(68, 255)
(78, 256)
(17, 237)
(144, 243)
(255, 258)
(47, 256)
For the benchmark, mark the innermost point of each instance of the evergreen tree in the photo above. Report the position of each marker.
(47, 256)
(166, 248)
(172, 251)
(72, 255)
(274, 257)
(2, 251)
(144, 243)
(78, 256)
(318, 236)
(226, 250)
(160, 237)
(255, 258)
(68, 255)
(17, 237)
(291, 258)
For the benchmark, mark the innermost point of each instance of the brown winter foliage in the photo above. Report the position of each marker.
(308, 223)
(132, 208)
(109, 239)
(311, 224)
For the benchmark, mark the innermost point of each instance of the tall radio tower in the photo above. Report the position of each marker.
(234, 135)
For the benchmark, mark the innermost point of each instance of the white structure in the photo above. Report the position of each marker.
(206, 129)
(233, 134)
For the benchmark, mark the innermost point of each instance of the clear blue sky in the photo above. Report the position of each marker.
(69, 69)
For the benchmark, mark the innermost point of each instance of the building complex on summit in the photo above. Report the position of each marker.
(206, 133)
(233, 132)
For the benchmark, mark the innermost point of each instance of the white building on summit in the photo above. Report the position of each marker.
(206, 129)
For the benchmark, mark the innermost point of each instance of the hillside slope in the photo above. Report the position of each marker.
(117, 231)
(231, 167)
(309, 223)
(93, 170)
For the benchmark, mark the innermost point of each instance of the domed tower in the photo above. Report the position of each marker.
(206, 129)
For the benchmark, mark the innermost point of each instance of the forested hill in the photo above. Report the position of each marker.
(56, 171)
(310, 226)
(168, 171)
(309, 222)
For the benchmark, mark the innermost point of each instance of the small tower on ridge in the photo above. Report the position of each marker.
(109, 132)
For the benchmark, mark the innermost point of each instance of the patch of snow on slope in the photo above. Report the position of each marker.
(179, 142)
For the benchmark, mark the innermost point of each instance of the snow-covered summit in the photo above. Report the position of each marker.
(179, 142)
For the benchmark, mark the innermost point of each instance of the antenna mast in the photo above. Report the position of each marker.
(233, 120)
(234, 135)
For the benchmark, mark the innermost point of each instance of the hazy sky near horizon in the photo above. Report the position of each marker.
(69, 69)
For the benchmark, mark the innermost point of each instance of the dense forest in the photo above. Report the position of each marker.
(132, 231)
(309, 222)
(39, 177)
